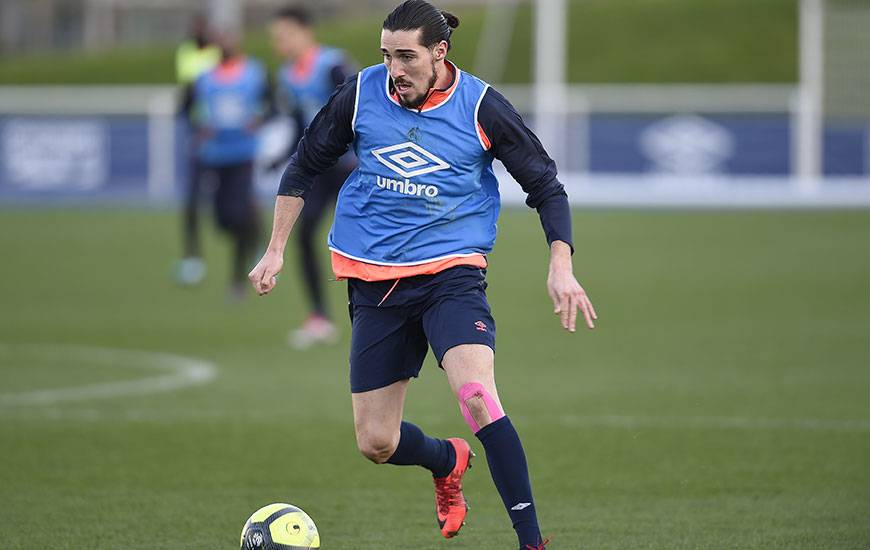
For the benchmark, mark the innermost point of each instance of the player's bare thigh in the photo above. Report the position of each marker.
(468, 364)
(377, 419)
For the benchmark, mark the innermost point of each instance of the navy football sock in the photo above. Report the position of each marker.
(507, 465)
(418, 449)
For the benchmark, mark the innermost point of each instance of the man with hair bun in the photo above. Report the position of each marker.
(415, 262)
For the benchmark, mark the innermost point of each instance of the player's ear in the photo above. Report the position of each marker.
(439, 52)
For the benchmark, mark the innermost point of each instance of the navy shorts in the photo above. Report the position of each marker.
(389, 341)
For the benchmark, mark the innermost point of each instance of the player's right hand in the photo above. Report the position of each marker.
(264, 274)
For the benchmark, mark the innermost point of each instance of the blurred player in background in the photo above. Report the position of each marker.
(231, 102)
(412, 229)
(308, 77)
(193, 57)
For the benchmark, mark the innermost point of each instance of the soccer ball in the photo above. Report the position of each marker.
(279, 527)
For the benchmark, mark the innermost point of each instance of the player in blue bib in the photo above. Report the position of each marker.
(413, 225)
(232, 100)
(416, 177)
(310, 74)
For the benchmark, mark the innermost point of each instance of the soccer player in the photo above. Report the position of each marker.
(309, 76)
(412, 228)
(193, 57)
(231, 101)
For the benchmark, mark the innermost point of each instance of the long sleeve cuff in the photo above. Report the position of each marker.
(555, 213)
(295, 182)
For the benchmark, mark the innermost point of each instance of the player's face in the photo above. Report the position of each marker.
(411, 65)
(287, 38)
(228, 42)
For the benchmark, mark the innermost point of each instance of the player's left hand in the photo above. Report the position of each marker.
(568, 296)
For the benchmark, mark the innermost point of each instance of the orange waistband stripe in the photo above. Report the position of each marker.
(346, 268)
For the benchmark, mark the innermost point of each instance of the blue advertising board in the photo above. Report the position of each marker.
(108, 156)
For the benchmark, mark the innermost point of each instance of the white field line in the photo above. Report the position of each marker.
(620, 422)
(178, 372)
(716, 422)
(185, 371)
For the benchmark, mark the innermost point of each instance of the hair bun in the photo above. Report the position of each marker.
(452, 20)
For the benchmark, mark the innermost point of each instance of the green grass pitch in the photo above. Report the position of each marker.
(721, 403)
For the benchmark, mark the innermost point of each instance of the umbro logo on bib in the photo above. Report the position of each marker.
(409, 160)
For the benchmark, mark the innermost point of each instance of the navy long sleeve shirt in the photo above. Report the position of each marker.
(330, 133)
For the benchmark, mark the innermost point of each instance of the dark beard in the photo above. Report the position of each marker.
(418, 102)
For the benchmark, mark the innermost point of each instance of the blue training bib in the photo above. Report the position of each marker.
(229, 106)
(424, 189)
(310, 91)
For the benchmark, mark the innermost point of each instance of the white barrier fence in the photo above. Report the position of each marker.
(716, 146)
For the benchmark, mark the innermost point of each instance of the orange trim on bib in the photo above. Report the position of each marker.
(230, 70)
(483, 137)
(436, 97)
(346, 268)
(303, 67)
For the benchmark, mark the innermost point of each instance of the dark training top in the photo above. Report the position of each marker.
(329, 134)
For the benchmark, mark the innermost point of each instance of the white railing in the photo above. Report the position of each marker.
(157, 105)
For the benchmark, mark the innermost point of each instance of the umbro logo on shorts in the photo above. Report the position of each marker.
(409, 160)
(481, 326)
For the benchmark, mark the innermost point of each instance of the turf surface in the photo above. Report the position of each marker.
(721, 403)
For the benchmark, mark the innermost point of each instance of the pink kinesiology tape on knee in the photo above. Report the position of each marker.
(475, 389)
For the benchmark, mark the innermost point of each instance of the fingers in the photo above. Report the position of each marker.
(262, 279)
(255, 275)
(265, 285)
(588, 312)
(572, 317)
(267, 281)
(565, 310)
(567, 299)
